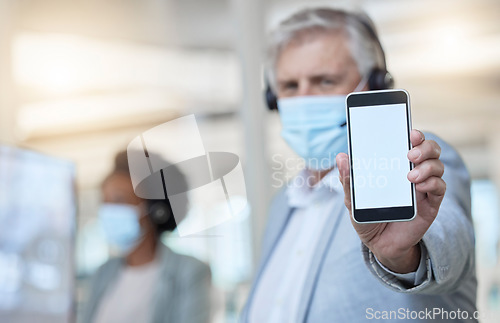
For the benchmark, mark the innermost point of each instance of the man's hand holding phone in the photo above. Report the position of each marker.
(395, 244)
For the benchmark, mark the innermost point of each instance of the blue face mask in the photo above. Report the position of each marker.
(120, 223)
(314, 127)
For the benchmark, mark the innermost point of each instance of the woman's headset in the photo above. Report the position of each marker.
(161, 215)
(379, 78)
(160, 210)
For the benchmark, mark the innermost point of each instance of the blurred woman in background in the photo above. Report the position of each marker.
(148, 282)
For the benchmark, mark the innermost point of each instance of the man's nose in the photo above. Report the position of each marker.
(305, 88)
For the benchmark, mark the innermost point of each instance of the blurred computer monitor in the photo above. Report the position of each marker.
(37, 222)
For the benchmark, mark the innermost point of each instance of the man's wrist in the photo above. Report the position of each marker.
(406, 263)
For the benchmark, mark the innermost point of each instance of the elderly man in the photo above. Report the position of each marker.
(317, 264)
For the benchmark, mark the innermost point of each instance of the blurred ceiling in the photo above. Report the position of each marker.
(445, 53)
(176, 23)
(439, 46)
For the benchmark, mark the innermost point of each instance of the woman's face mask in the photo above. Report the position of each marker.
(120, 223)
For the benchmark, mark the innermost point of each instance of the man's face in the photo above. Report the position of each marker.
(320, 65)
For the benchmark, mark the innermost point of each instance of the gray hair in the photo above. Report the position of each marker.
(306, 22)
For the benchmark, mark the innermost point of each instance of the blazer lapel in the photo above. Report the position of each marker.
(165, 290)
(279, 215)
(327, 234)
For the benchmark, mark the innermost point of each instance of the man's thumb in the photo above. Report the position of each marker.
(343, 165)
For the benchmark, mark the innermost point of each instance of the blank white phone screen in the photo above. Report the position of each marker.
(379, 148)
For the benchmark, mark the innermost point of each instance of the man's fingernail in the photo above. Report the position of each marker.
(414, 154)
(414, 174)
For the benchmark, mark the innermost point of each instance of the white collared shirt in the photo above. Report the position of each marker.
(129, 299)
(279, 290)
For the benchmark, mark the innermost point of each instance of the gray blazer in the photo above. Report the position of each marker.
(181, 294)
(345, 284)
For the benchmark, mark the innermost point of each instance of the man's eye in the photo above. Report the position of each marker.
(327, 82)
(289, 86)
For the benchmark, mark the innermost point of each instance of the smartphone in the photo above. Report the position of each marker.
(379, 125)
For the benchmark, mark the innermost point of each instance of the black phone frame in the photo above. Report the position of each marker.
(374, 98)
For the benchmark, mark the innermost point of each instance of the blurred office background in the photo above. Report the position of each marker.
(80, 79)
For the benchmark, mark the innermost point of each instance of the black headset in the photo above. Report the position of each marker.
(379, 78)
(161, 215)
(160, 211)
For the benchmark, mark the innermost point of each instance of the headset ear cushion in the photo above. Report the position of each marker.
(271, 100)
(159, 213)
(380, 79)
